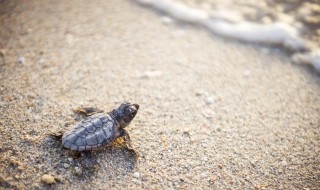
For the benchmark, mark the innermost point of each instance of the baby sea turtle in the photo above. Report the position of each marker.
(100, 129)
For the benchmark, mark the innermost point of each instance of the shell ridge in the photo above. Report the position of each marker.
(95, 135)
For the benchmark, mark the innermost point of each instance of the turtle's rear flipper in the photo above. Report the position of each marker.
(57, 135)
(87, 111)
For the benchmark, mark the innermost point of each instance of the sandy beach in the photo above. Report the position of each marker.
(214, 113)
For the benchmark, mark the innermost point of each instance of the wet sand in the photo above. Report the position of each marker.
(214, 113)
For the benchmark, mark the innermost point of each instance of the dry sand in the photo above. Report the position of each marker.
(261, 130)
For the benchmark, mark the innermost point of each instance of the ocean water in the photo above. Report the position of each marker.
(292, 25)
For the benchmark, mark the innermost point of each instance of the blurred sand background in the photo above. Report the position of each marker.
(214, 113)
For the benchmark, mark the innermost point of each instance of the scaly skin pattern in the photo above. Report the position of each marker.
(95, 131)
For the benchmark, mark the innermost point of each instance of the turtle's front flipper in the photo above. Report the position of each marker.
(87, 160)
(124, 141)
(87, 111)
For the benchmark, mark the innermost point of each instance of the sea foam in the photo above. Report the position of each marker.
(277, 33)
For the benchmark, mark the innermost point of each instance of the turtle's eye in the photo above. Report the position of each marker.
(127, 112)
(132, 112)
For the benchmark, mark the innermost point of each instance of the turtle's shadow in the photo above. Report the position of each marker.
(115, 159)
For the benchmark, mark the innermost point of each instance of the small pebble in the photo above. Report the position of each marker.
(284, 163)
(203, 175)
(20, 168)
(136, 174)
(149, 111)
(209, 100)
(150, 74)
(201, 93)
(78, 170)
(58, 178)
(41, 61)
(242, 135)
(246, 73)
(212, 180)
(253, 163)
(21, 60)
(65, 165)
(136, 181)
(48, 179)
(16, 162)
(70, 159)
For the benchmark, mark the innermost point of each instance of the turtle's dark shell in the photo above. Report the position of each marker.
(100, 129)
(93, 132)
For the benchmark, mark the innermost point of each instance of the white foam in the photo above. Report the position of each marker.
(274, 33)
(226, 14)
(177, 10)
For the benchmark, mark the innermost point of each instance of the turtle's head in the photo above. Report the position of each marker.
(125, 113)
